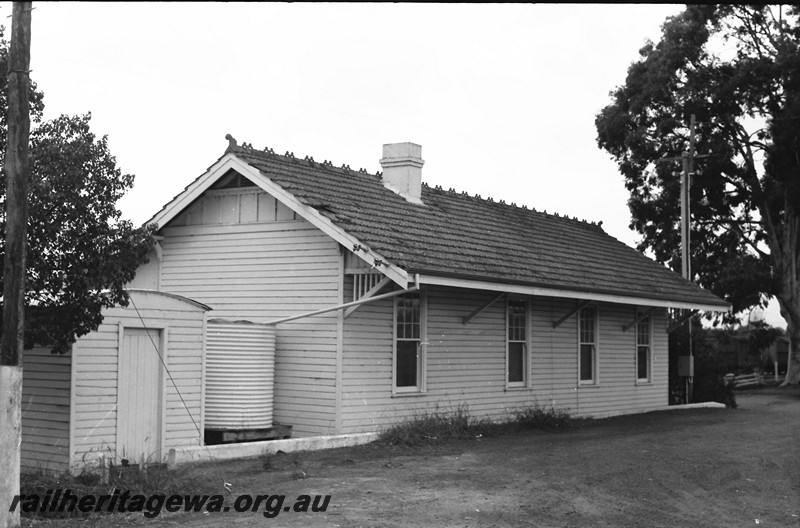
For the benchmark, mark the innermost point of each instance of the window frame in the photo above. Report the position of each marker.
(420, 386)
(649, 322)
(526, 343)
(595, 380)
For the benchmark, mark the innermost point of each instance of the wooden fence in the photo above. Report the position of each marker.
(748, 380)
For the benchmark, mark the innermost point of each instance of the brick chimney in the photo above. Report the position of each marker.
(402, 170)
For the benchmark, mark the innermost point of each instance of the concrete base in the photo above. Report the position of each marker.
(184, 455)
(10, 441)
(611, 414)
(224, 436)
(703, 405)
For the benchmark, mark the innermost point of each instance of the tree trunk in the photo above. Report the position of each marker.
(789, 303)
(793, 365)
(787, 267)
(17, 169)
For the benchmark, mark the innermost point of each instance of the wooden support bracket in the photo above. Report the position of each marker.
(580, 306)
(481, 308)
(641, 316)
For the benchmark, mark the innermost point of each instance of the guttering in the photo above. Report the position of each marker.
(348, 305)
(457, 282)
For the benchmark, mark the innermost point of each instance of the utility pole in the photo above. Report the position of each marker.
(686, 365)
(687, 162)
(17, 168)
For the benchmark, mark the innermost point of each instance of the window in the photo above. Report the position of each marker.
(409, 351)
(517, 337)
(644, 336)
(587, 346)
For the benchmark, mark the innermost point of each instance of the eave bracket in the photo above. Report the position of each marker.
(640, 317)
(578, 307)
(481, 308)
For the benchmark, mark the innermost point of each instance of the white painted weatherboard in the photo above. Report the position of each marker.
(45, 410)
(261, 271)
(466, 363)
(95, 389)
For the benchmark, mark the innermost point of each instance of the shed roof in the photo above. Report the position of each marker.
(469, 238)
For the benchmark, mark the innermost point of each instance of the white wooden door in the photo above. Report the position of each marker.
(139, 397)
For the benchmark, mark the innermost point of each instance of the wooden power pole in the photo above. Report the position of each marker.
(686, 363)
(687, 162)
(17, 168)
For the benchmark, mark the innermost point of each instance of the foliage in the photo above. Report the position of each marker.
(151, 480)
(544, 418)
(434, 427)
(762, 335)
(717, 353)
(438, 427)
(80, 253)
(737, 68)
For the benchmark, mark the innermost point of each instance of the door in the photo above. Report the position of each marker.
(139, 397)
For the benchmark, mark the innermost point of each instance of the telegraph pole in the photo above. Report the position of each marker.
(687, 173)
(17, 168)
(687, 162)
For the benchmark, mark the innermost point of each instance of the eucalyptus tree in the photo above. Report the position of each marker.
(737, 68)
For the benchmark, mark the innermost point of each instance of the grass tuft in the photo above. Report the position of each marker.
(154, 479)
(545, 418)
(438, 427)
(435, 427)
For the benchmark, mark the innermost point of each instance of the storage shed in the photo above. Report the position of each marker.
(130, 390)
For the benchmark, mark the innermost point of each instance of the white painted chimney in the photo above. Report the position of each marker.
(402, 170)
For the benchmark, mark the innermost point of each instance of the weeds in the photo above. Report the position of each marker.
(458, 424)
(546, 418)
(434, 427)
(153, 479)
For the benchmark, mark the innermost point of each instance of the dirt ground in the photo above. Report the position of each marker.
(687, 468)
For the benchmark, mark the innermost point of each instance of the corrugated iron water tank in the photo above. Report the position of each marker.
(240, 374)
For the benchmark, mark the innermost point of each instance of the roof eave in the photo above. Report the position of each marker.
(549, 291)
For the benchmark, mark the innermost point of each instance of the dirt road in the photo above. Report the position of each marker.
(692, 468)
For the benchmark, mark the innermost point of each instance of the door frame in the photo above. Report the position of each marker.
(163, 340)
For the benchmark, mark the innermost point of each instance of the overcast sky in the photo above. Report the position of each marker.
(502, 97)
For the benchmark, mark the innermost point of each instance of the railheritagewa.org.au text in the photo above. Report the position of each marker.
(151, 506)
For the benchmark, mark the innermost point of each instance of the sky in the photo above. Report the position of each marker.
(501, 97)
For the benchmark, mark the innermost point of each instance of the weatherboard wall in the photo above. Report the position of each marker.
(466, 363)
(45, 410)
(248, 257)
(95, 376)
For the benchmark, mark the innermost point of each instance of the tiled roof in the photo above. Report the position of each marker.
(456, 235)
